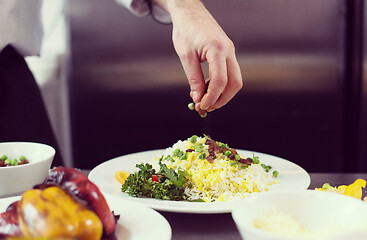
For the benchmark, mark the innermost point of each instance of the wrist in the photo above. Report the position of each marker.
(173, 6)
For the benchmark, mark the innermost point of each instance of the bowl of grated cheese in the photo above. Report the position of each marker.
(300, 214)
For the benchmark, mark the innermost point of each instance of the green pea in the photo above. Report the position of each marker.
(237, 157)
(275, 174)
(204, 115)
(14, 162)
(4, 157)
(255, 161)
(191, 106)
(22, 158)
(8, 161)
(176, 152)
(193, 139)
(227, 153)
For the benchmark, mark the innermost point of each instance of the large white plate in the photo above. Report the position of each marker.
(291, 176)
(136, 222)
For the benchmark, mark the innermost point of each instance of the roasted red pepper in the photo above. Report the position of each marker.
(77, 184)
(9, 224)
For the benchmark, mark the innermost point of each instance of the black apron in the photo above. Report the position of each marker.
(23, 115)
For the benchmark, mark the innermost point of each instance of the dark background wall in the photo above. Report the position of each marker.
(129, 92)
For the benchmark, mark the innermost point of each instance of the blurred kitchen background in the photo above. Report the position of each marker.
(123, 89)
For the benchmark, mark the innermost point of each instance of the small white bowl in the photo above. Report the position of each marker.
(325, 215)
(16, 179)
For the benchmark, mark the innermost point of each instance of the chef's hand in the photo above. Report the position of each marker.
(197, 38)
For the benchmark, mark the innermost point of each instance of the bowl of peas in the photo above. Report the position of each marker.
(23, 165)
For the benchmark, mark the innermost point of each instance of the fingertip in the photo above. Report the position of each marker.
(195, 96)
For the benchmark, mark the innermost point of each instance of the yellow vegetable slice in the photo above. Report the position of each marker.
(355, 189)
(121, 176)
(52, 213)
(352, 190)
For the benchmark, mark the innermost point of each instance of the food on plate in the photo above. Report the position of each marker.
(121, 176)
(65, 205)
(280, 223)
(353, 190)
(200, 169)
(5, 161)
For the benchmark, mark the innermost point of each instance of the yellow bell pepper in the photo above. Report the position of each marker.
(53, 213)
(353, 190)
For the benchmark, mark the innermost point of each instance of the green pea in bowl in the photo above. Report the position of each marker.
(23, 165)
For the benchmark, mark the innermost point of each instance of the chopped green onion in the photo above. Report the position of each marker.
(202, 156)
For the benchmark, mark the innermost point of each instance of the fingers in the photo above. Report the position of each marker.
(234, 84)
(218, 77)
(194, 74)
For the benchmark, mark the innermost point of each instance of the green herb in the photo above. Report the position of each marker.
(170, 186)
(197, 200)
(202, 156)
(169, 158)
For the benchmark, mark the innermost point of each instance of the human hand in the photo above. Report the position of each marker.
(197, 38)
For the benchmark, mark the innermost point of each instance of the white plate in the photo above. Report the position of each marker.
(136, 222)
(291, 176)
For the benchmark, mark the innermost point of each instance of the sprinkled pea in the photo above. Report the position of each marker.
(227, 153)
(4, 157)
(176, 152)
(193, 139)
(275, 174)
(255, 160)
(237, 157)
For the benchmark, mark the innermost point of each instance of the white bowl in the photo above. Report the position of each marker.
(16, 179)
(325, 215)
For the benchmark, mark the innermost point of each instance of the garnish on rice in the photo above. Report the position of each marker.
(200, 169)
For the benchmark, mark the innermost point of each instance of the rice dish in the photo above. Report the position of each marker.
(221, 174)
